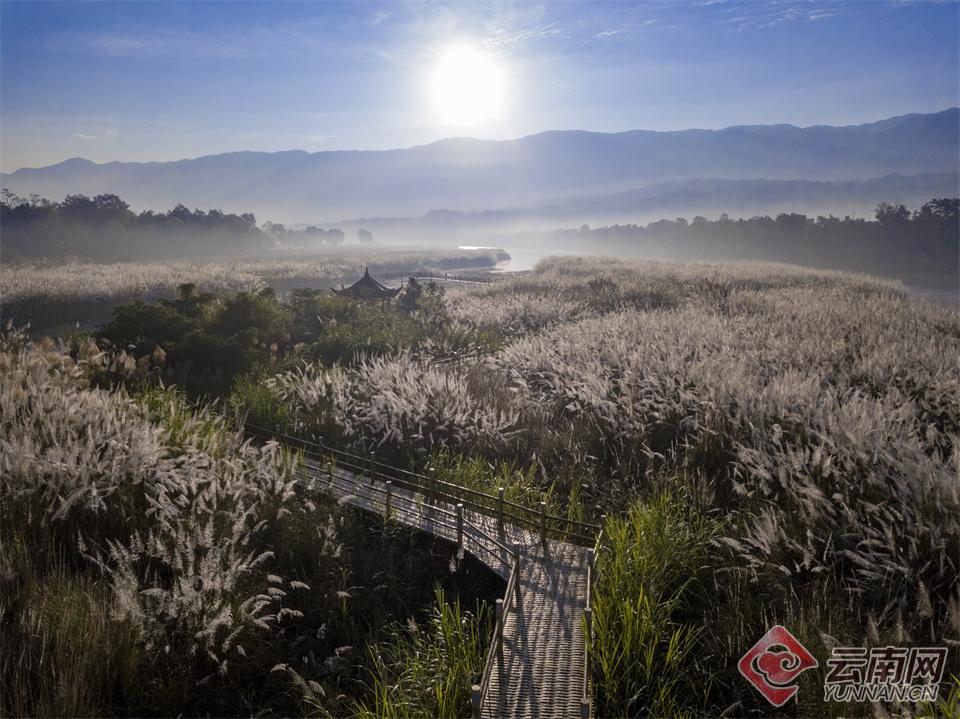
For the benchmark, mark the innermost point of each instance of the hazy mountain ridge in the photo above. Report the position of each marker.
(678, 198)
(469, 174)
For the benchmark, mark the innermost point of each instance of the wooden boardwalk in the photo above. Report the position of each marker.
(541, 671)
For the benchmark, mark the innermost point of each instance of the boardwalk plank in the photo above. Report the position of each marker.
(543, 658)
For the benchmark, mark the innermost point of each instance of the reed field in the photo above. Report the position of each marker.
(154, 562)
(804, 422)
(52, 295)
(769, 444)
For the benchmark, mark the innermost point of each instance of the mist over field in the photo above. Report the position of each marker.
(531, 194)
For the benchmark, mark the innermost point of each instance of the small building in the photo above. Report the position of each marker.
(367, 288)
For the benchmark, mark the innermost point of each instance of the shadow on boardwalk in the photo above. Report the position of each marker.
(541, 674)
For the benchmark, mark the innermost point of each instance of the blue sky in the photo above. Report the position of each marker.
(159, 81)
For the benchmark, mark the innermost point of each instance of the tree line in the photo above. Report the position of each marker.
(104, 227)
(895, 240)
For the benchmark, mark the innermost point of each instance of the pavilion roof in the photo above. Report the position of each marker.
(367, 288)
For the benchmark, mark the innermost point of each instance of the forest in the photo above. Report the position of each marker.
(104, 227)
(895, 241)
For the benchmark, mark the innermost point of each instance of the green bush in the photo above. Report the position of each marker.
(143, 326)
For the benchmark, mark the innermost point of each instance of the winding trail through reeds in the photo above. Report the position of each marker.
(541, 672)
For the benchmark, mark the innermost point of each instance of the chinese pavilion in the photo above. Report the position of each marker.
(367, 288)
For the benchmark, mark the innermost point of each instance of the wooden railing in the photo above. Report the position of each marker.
(511, 598)
(539, 520)
(593, 554)
(428, 486)
(453, 277)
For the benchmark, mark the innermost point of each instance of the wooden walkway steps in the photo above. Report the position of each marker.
(536, 664)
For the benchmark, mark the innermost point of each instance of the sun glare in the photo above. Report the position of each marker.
(467, 87)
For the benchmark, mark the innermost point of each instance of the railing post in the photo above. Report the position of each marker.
(389, 485)
(587, 647)
(460, 526)
(500, 623)
(500, 509)
(475, 701)
(370, 467)
(589, 575)
(516, 563)
(543, 522)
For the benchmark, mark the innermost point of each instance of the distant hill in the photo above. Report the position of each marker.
(679, 198)
(468, 174)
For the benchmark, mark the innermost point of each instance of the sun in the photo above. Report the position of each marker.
(467, 87)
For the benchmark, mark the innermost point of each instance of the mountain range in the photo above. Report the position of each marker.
(677, 198)
(471, 175)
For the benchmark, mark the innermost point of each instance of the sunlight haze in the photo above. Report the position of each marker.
(468, 87)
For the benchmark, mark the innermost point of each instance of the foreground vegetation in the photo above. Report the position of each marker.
(153, 562)
(770, 444)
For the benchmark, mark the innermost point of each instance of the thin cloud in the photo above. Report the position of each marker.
(518, 38)
(95, 136)
(251, 42)
(758, 16)
(135, 43)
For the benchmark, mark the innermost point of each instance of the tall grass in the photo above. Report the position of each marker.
(818, 412)
(62, 654)
(645, 625)
(427, 672)
(520, 484)
(153, 561)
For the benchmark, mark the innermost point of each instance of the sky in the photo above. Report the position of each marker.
(149, 81)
